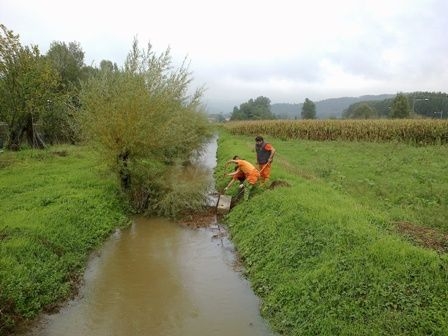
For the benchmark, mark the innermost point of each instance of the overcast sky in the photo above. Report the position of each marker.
(285, 50)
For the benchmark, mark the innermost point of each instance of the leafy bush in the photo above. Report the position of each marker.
(143, 121)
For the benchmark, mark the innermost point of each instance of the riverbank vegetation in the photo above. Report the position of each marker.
(144, 124)
(356, 241)
(56, 206)
(144, 118)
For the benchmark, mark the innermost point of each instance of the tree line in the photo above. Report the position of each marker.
(260, 109)
(39, 94)
(403, 105)
(142, 117)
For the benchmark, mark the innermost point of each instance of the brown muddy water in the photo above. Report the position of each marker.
(160, 278)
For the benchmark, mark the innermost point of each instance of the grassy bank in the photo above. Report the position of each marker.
(56, 205)
(327, 255)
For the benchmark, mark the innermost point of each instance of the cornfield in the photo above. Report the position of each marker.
(413, 131)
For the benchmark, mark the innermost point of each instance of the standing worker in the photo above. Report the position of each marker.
(250, 172)
(265, 153)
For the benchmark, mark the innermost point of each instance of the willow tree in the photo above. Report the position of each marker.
(144, 121)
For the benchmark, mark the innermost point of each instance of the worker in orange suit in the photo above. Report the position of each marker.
(265, 154)
(250, 172)
(237, 176)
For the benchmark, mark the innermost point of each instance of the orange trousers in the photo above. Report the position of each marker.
(253, 176)
(265, 171)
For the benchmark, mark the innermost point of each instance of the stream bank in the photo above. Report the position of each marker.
(157, 277)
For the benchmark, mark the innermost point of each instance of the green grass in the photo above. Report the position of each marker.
(409, 182)
(323, 253)
(56, 205)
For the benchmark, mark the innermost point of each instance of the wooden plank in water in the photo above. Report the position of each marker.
(223, 206)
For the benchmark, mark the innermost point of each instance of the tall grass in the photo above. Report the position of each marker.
(326, 260)
(56, 205)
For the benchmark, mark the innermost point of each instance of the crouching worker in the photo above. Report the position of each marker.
(251, 174)
(236, 176)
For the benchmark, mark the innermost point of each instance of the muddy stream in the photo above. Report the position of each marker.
(160, 278)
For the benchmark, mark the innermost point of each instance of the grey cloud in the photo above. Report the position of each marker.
(298, 68)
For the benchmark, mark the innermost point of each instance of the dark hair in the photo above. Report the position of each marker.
(259, 138)
(236, 157)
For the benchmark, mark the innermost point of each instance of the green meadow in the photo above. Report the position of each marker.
(56, 206)
(351, 239)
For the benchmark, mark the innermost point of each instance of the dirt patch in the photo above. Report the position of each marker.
(198, 219)
(279, 184)
(423, 236)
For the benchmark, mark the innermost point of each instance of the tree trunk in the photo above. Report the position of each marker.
(26, 127)
(125, 176)
(15, 134)
(33, 138)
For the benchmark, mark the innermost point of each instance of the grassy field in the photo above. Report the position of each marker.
(354, 240)
(355, 245)
(56, 205)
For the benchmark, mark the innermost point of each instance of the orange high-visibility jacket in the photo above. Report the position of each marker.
(252, 173)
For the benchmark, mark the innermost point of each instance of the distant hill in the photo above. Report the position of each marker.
(327, 108)
(286, 111)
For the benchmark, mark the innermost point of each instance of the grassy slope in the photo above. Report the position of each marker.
(54, 210)
(322, 253)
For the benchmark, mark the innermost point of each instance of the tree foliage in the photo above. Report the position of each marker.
(144, 121)
(106, 65)
(363, 111)
(308, 109)
(27, 83)
(425, 104)
(429, 104)
(258, 109)
(68, 60)
(400, 107)
(58, 123)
